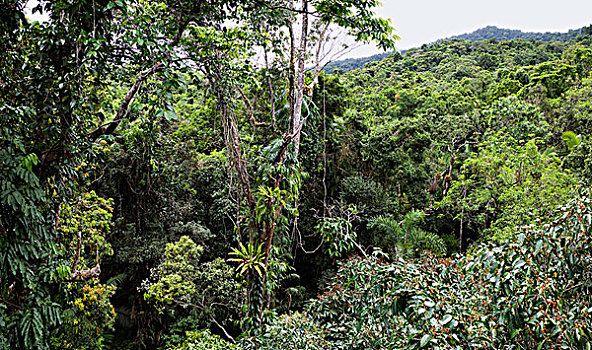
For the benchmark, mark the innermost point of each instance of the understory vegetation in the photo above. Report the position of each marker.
(187, 175)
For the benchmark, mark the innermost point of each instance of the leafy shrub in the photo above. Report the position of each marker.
(89, 318)
(296, 331)
(204, 340)
(181, 285)
(337, 232)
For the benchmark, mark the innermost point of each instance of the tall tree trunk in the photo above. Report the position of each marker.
(297, 119)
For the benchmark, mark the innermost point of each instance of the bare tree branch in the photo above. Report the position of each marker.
(123, 111)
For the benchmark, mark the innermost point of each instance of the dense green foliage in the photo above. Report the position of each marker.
(531, 291)
(188, 175)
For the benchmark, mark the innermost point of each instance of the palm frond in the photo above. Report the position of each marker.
(423, 240)
(118, 280)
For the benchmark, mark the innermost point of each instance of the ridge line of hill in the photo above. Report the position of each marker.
(485, 33)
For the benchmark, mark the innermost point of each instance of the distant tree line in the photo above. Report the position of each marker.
(486, 33)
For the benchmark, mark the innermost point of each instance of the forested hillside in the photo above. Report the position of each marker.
(348, 64)
(184, 175)
(485, 33)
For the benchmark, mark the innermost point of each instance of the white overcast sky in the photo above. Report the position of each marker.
(420, 22)
(424, 21)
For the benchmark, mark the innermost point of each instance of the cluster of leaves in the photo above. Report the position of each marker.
(203, 340)
(90, 317)
(508, 184)
(181, 284)
(86, 223)
(293, 331)
(83, 226)
(337, 232)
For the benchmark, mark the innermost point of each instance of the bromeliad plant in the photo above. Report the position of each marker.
(249, 259)
(261, 263)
